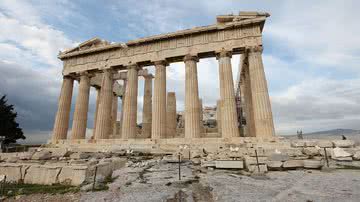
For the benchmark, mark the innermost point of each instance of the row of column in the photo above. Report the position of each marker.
(155, 122)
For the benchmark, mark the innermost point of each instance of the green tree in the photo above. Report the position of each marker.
(9, 128)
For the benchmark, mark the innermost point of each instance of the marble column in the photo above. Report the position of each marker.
(81, 108)
(96, 109)
(122, 108)
(61, 124)
(250, 127)
(129, 124)
(103, 122)
(229, 122)
(114, 110)
(192, 122)
(201, 117)
(263, 119)
(147, 108)
(158, 129)
(218, 116)
(171, 115)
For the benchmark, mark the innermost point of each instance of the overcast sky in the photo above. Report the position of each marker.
(311, 55)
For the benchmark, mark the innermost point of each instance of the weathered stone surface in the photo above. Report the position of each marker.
(274, 165)
(311, 151)
(229, 164)
(339, 152)
(12, 159)
(255, 168)
(42, 174)
(12, 171)
(343, 158)
(324, 143)
(252, 160)
(41, 155)
(278, 157)
(292, 152)
(357, 156)
(293, 164)
(298, 143)
(58, 153)
(208, 163)
(73, 175)
(343, 143)
(80, 155)
(310, 143)
(349, 164)
(314, 164)
(25, 155)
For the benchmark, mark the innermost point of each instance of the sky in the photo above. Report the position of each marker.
(311, 55)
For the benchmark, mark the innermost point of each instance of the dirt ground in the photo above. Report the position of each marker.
(159, 182)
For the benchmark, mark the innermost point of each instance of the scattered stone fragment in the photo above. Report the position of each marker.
(42, 155)
(324, 143)
(311, 151)
(236, 164)
(339, 153)
(278, 157)
(293, 164)
(343, 143)
(356, 155)
(313, 164)
(255, 168)
(274, 165)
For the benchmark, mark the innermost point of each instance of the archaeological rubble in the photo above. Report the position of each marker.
(236, 134)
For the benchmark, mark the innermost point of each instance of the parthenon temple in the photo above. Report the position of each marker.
(243, 110)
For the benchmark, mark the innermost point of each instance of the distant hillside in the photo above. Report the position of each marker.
(335, 132)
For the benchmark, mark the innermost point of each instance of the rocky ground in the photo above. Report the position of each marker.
(155, 180)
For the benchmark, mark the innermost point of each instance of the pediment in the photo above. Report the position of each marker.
(89, 44)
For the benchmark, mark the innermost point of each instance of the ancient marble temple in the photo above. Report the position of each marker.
(243, 109)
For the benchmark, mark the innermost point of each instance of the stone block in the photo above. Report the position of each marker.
(42, 174)
(80, 155)
(298, 143)
(278, 157)
(208, 163)
(324, 143)
(343, 143)
(313, 164)
(41, 155)
(74, 175)
(356, 155)
(343, 158)
(26, 155)
(328, 151)
(339, 152)
(259, 151)
(11, 171)
(292, 152)
(252, 160)
(236, 164)
(255, 168)
(12, 159)
(118, 163)
(311, 151)
(349, 164)
(310, 143)
(293, 164)
(61, 152)
(274, 165)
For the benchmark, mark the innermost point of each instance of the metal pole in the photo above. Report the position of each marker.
(179, 167)
(326, 157)
(257, 160)
(93, 187)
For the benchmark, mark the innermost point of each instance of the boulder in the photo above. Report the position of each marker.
(274, 165)
(313, 164)
(344, 143)
(339, 152)
(293, 164)
(41, 155)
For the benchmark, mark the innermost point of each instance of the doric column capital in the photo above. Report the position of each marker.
(161, 62)
(191, 57)
(223, 53)
(254, 49)
(149, 76)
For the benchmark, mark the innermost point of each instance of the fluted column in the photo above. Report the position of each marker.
(250, 127)
(158, 129)
(128, 129)
(171, 115)
(229, 123)
(147, 111)
(103, 122)
(61, 124)
(81, 108)
(202, 128)
(192, 122)
(114, 110)
(218, 115)
(263, 119)
(122, 109)
(96, 110)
